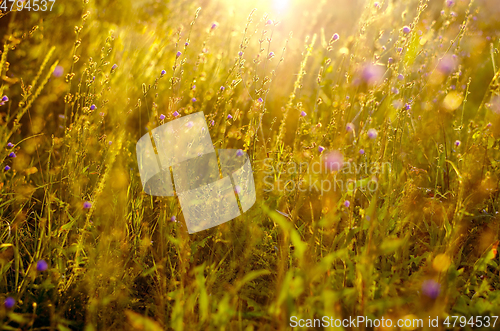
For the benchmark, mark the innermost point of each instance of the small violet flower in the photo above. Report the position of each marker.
(9, 302)
(41, 265)
(372, 133)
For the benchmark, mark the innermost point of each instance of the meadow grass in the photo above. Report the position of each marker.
(401, 98)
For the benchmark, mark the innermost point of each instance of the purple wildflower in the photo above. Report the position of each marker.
(41, 265)
(450, 3)
(347, 203)
(457, 143)
(334, 160)
(303, 113)
(212, 122)
(390, 60)
(9, 302)
(372, 74)
(10, 145)
(240, 152)
(260, 100)
(87, 205)
(92, 107)
(12, 154)
(335, 37)
(361, 151)
(240, 53)
(431, 288)
(237, 189)
(163, 72)
(372, 133)
(271, 55)
(214, 25)
(162, 117)
(114, 66)
(58, 71)
(186, 44)
(349, 127)
(193, 100)
(5, 98)
(406, 29)
(321, 149)
(401, 77)
(7, 168)
(178, 54)
(269, 22)
(447, 64)
(229, 116)
(176, 113)
(222, 88)
(173, 219)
